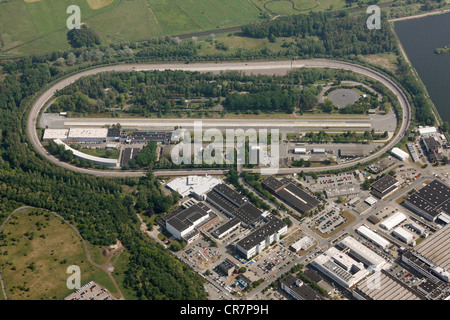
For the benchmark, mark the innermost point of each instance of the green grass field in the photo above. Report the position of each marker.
(40, 26)
(35, 254)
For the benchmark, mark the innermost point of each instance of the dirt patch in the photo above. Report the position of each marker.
(96, 4)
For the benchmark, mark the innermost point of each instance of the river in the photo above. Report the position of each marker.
(419, 38)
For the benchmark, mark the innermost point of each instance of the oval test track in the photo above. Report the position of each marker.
(250, 67)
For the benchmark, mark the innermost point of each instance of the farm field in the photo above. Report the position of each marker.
(39, 247)
(28, 27)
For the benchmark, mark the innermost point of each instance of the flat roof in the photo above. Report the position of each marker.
(385, 184)
(88, 133)
(272, 184)
(272, 226)
(230, 224)
(248, 213)
(388, 288)
(50, 134)
(436, 248)
(432, 198)
(297, 198)
(183, 219)
(300, 288)
(230, 194)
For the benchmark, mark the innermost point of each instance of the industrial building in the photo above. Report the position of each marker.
(304, 243)
(291, 194)
(400, 154)
(234, 205)
(360, 252)
(51, 134)
(426, 131)
(431, 144)
(196, 186)
(342, 191)
(146, 136)
(393, 221)
(297, 289)
(384, 186)
(383, 286)
(113, 134)
(373, 237)
(431, 201)
(227, 228)
(87, 135)
(183, 223)
(415, 157)
(226, 267)
(80, 155)
(432, 256)
(340, 267)
(261, 237)
(403, 235)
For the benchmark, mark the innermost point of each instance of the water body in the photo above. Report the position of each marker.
(420, 37)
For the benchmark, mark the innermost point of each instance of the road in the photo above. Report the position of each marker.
(269, 67)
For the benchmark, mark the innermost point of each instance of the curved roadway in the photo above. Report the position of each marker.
(249, 67)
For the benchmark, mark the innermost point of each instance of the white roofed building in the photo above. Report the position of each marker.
(400, 154)
(393, 221)
(373, 237)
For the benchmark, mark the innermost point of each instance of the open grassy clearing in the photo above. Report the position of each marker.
(36, 251)
(40, 26)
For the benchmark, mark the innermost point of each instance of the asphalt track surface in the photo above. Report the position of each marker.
(267, 67)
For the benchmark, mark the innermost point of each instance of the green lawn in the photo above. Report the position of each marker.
(35, 254)
(40, 26)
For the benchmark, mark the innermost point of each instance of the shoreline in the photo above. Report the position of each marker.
(417, 16)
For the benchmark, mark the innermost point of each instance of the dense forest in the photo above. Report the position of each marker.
(98, 207)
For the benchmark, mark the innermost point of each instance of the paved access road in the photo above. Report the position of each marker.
(266, 67)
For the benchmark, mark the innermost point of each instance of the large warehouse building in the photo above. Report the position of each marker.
(291, 194)
(383, 286)
(87, 135)
(431, 201)
(432, 256)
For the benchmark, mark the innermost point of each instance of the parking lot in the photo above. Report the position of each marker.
(90, 291)
(329, 221)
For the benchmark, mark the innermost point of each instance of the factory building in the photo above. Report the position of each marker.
(87, 135)
(383, 286)
(373, 237)
(384, 186)
(431, 257)
(227, 228)
(297, 289)
(226, 267)
(300, 150)
(196, 186)
(361, 253)
(143, 137)
(291, 194)
(340, 267)
(51, 134)
(431, 201)
(393, 221)
(261, 237)
(183, 223)
(234, 205)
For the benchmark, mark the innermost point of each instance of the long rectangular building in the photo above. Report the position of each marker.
(261, 237)
(363, 254)
(383, 286)
(373, 237)
(291, 194)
